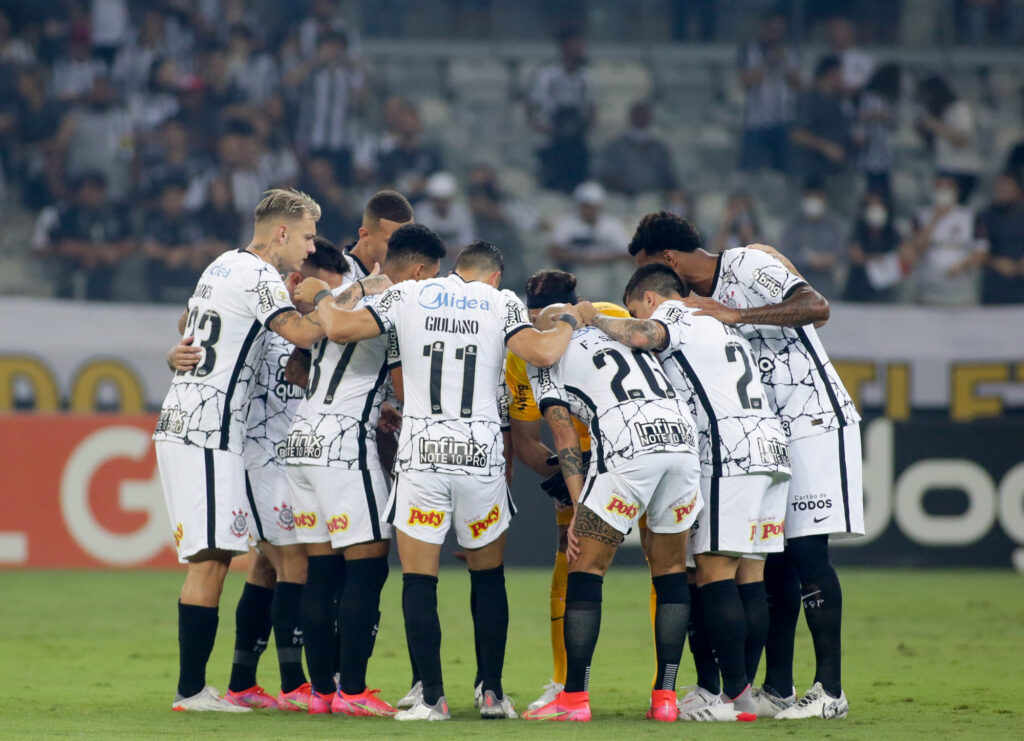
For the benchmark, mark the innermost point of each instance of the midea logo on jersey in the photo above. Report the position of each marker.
(451, 452)
(435, 296)
(664, 432)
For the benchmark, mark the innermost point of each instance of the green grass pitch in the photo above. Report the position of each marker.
(94, 655)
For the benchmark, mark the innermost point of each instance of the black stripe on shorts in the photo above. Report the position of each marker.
(371, 503)
(844, 483)
(252, 506)
(713, 516)
(211, 500)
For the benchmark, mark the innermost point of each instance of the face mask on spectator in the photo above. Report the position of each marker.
(875, 216)
(944, 197)
(813, 207)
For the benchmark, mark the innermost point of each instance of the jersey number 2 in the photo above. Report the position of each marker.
(735, 353)
(467, 354)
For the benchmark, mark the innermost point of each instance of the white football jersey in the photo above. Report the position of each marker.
(356, 269)
(715, 371)
(451, 336)
(336, 423)
(621, 394)
(237, 296)
(274, 401)
(802, 386)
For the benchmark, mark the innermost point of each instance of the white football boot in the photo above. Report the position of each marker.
(491, 707)
(696, 698)
(422, 711)
(413, 696)
(768, 705)
(551, 690)
(817, 703)
(207, 700)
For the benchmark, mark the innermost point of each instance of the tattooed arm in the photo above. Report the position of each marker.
(301, 331)
(643, 334)
(802, 307)
(567, 443)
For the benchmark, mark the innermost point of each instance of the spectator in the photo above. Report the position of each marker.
(222, 94)
(874, 244)
(173, 247)
(447, 215)
(252, 72)
(948, 127)
(494, 225)
(1001, 225)
(636, 161)
(770, 74)
(856, 64)
(38, 120)
(338, 216)
(592, 244)
(679, 202)
(14, 51)
(813, 240)
(97, 136)
(740, 224)
(87, 240)
(949, 255)
(150, 106)
(821, 131)
(108, 27)
(323, 19)
(74, 74)
(134, 60)
(1015, 161)
(171, 155)
(218, 220)
(560, 105)
(401, 159)
(333, 91)
(876, 119)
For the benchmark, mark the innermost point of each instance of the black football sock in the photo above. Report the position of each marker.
(822, 599)
(490, 621)
(423, 631)
(727, 629)
(782, 587)
(197, 629)
(755, 606)
(359, 616)
(670, 620)
(288, 634)
(316, 614)
(412, 664)
(582, 626)
(342, 575)
(479, 676)
(252, 632)
(703, 656)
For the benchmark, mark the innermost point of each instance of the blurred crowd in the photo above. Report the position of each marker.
(142, 134)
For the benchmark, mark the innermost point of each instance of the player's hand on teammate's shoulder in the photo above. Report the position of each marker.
(586, 311)
(307, 290)
(573, 311)
(376, 282)
(183, 356)
(390, 418)
(710, 307)
(766, 248)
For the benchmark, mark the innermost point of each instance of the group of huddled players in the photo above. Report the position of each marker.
(327, 401)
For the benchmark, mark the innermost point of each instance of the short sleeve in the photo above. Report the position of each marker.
(675, 322)
(548, 388)
(766, 276)
(504, 402)
(269, 297)
(522, 405)
(388, 307)
(516, 317)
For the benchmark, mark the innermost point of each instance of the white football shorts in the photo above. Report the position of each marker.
(664, 485)
(424, 505)
(742, 515)
(205, 494)
(826, 494)
(271, 517)
(342, 505)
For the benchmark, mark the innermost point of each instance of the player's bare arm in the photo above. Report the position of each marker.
(182, 320)
(643, 334)
(529, 448)
(301, 331)
(804, 306)
(297, 369)
(543, 348)
(398, 383)
(567, 443)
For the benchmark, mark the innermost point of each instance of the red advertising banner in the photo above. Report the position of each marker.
(81, 491)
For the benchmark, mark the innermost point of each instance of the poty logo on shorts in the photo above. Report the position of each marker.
(239, 525)
(305, 520)
(434, 296)
(285, 517)
(479, 527)
(684, 510)
(337, 523)
(619, 506)
(431, 518)
(179, 533)
(772, 530)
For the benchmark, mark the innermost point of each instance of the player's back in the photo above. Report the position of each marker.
(800, 383)
(623, 396)
(237, 295)
(451, 335)
(715, 369)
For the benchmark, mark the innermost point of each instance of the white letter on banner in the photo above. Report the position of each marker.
(963, 475)
(122, 549)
